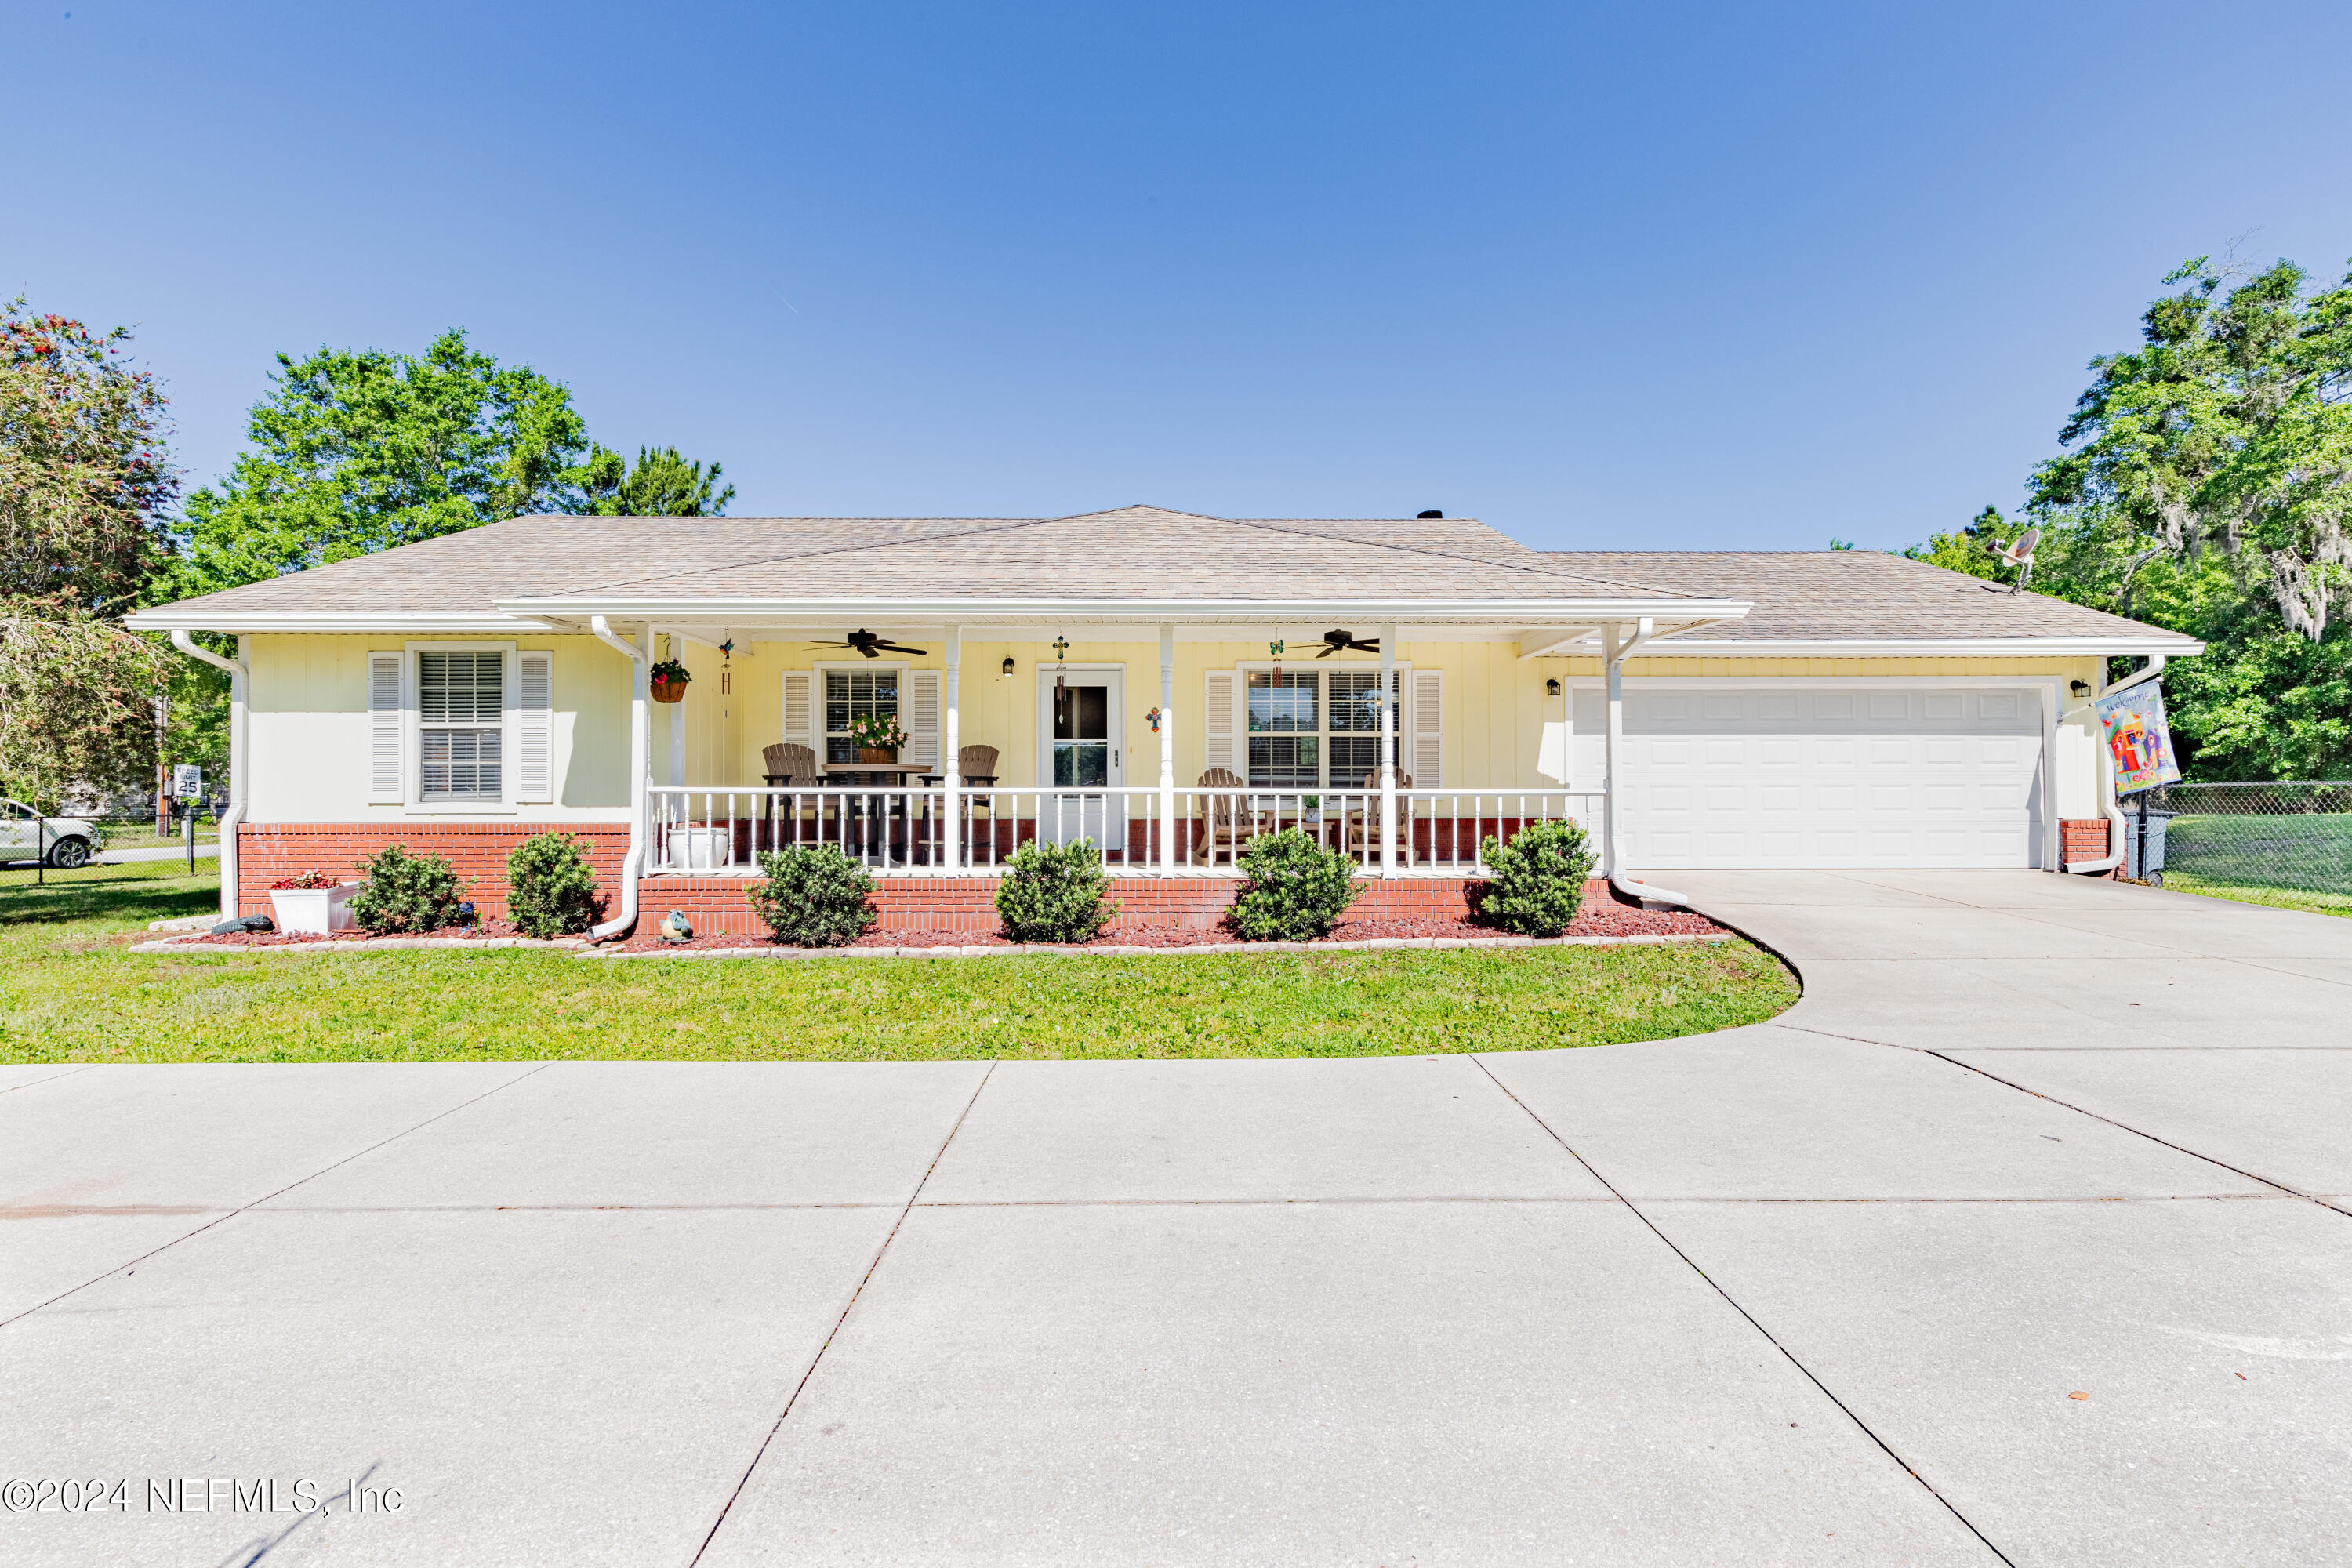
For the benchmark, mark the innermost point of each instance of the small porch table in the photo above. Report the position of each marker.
(878, 825)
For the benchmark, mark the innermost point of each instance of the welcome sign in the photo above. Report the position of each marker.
(2139, 738)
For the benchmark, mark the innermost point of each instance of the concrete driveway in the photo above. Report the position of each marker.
(1820, 1292)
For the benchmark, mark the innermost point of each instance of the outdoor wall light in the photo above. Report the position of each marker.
(1551, 689)
(1008, 666)
(2079, 687)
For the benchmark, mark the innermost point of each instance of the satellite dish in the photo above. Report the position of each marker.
(2019, 552)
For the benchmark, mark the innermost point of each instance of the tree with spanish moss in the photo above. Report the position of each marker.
(84, 489)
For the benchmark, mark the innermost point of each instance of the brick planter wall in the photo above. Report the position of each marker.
(478, 851)
(2079, 840)
(722, 904)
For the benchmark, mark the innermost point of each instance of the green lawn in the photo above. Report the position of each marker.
(69, 991)
(2295, 862)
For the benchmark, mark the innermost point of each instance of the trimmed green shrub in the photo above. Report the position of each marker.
(550, 891)
(1298, 888)
(1054, 893)
(814, 896)
(408, 892)
(1539, 878)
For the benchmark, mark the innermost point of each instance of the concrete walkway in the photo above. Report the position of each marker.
(1818, 1291)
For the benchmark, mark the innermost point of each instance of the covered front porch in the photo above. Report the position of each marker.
(1407, 747)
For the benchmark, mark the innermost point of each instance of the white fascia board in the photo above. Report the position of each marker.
(1683, 613)
(173, 618)
(1927, 647)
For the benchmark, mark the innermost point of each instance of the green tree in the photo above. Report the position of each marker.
(661, 484)
(84, 485)
(2227, 427)
(358, 450)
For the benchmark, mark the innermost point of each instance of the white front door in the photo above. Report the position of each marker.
(1080, 742)
(1810, 777)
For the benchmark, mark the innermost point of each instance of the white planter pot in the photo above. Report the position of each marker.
(700, 848)
(313, 912)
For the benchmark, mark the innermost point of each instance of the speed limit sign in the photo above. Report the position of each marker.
(187, 781)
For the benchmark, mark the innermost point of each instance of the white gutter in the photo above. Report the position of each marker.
(2107, 806)
(1613, 858)
(632, 865)
(239, 791)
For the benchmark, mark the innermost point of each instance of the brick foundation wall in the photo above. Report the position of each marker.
(478, 849)
(722, 904)
(2082, 840)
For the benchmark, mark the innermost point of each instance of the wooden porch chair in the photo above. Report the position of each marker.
(1363, 835)
(1225, 821)
(791, 766)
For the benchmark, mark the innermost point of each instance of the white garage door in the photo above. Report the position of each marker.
(1810, 777)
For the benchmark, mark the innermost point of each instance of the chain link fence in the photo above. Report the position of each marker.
(38, 850)
(2273, 842)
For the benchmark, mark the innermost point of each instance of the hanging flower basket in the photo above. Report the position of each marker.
(669, 681)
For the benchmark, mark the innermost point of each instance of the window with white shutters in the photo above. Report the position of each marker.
(460, 726)
(1310, 728)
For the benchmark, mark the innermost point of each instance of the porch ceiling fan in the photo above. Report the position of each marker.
(872, 645)
(1337, 641)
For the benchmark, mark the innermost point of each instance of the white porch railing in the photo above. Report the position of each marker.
(915, 831)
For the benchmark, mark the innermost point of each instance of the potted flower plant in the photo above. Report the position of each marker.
(878, 737)
(670, 680)
(312, 903)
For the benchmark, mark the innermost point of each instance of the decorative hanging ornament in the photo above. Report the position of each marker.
(1275, 648)
(726, 667)
(1061, 676)
(1153, 719)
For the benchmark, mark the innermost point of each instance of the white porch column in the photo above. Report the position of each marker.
(1612, 637)
(1388, 750)
(1167, 748)
(641, 738)
(952, 764)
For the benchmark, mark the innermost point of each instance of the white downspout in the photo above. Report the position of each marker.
(239, 790)
(1612, 859)
(2107, 806)
(632, 865)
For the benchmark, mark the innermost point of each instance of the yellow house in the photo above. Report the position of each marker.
(928, 693)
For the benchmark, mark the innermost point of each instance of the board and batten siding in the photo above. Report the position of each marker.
(313, 744)
(312, 737)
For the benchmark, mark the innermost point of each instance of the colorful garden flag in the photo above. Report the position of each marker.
(2139, 738)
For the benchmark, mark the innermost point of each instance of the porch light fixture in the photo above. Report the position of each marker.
(2079, 687)
(1551, 688)
(1008, 666)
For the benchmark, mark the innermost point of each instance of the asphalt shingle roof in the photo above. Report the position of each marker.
(1144, 553)
(1132, 552)
(1851, 594)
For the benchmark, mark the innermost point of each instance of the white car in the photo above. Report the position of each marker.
(65, 842)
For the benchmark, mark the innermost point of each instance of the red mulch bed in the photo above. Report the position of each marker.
(1597, 918)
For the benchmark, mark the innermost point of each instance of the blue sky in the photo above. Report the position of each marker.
(1656, 277)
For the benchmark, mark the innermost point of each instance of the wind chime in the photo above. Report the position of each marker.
(726, 667)
(1062, 674)
(1275, 648)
